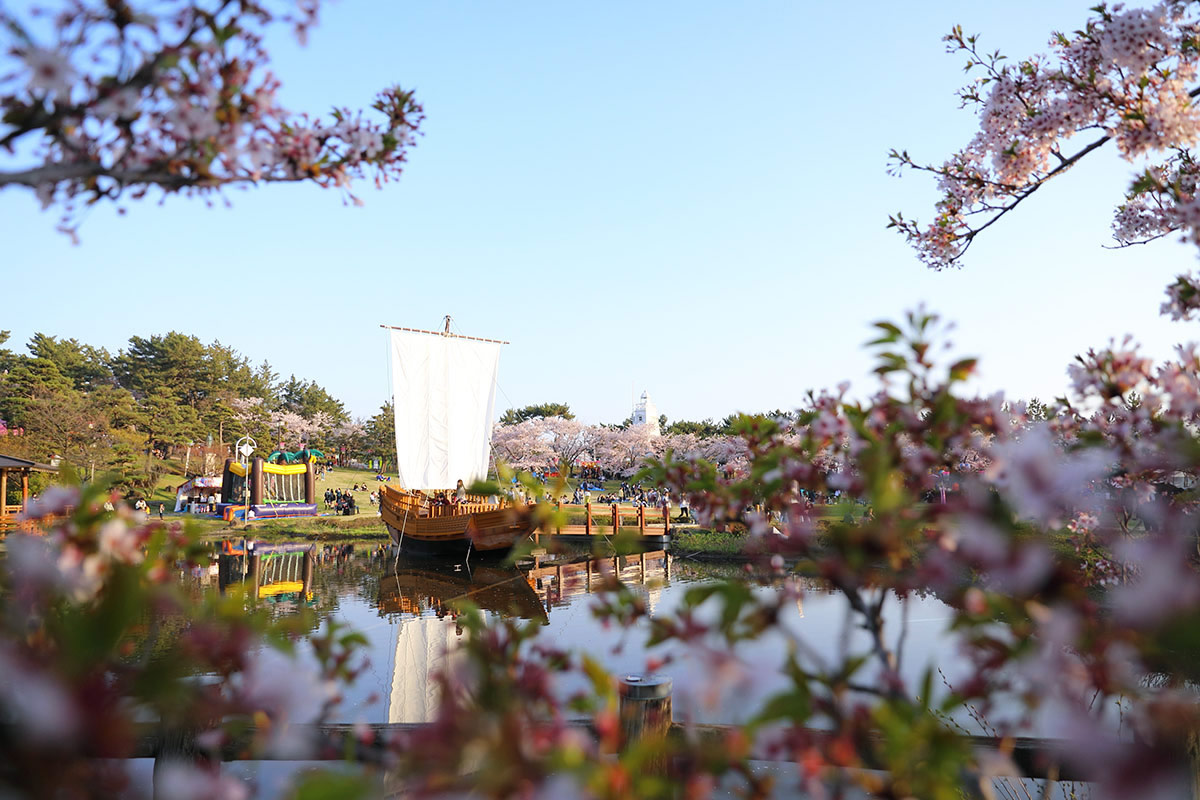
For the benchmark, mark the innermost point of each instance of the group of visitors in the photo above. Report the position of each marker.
(443, 500)
(342, 502)
(144, 506)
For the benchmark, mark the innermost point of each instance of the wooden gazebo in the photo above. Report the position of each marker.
(12, 468)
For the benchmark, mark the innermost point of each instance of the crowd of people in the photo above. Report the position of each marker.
(342, 502)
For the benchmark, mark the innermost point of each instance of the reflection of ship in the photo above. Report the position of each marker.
(417, 591)
(444, 393)
(427, 635)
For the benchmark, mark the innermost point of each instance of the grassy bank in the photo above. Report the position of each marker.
(366, 526)
(702, 541)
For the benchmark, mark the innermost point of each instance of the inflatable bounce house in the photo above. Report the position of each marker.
(281, 485)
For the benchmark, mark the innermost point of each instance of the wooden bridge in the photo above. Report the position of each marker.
(651, 525)
(554, 582)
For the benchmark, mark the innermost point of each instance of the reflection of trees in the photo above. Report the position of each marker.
(354, 575)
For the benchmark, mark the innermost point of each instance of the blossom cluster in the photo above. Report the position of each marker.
(1126, 74)
(98, 636)
(181, 98)
(1107, 469)
(546, 443)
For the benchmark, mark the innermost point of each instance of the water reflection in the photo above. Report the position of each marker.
(407, 612)
(558, 583)
(423, 601)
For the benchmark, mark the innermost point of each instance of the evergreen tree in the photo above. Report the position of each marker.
(86, 366)
(514, 416)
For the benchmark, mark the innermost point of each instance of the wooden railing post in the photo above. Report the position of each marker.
(666, 519)
(645, 716)
(558, 517)
(587, 525)
(616, 519)
(642, 520)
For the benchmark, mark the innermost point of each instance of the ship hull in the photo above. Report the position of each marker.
(420, 529)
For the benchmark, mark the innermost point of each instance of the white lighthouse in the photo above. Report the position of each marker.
(645, 413)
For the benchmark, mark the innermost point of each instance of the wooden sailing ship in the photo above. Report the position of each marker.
(419, 526)
(443, 392)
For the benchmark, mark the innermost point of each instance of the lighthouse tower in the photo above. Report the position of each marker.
(645, 413)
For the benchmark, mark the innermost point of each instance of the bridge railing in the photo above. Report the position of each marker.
(609, 519)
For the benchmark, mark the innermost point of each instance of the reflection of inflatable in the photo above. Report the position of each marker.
(194, 495)
(270, 490)
(280, 573)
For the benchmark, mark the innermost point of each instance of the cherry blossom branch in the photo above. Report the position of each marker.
(1129, 72)
(56, 173)
(196, 114)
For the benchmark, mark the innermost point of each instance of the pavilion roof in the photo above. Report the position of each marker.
(12, 462)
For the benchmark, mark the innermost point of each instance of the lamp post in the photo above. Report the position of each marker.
(245, 448)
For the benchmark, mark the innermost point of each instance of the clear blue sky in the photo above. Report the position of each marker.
(684, 197)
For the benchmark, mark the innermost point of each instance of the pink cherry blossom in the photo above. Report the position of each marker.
(49, 72)
(115, 102)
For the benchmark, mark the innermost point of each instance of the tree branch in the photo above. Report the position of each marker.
(56, 173)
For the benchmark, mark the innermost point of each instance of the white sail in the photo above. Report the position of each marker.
(444, 391)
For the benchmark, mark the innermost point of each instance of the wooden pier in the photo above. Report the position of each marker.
(650, 525)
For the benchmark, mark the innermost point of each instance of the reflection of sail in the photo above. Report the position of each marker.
(422, 646)
(427, 635)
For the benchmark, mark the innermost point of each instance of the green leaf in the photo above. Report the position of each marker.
(961, 370)
(601, 680)
(326, 785)
(794, 706)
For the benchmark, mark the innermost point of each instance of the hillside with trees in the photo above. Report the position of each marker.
(165, 395)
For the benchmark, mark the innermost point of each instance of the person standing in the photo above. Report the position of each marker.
(161, 510)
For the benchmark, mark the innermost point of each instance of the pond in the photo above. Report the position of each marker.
(406, 611)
